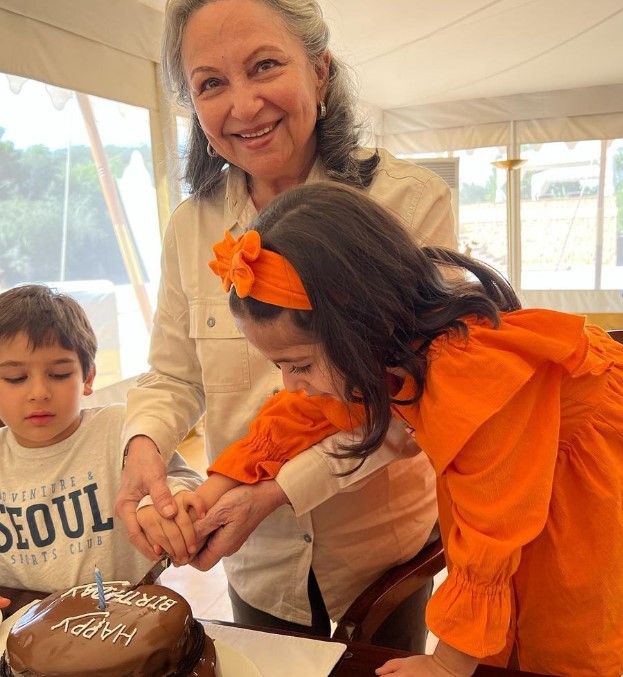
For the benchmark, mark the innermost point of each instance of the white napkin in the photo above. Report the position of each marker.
(278, 655)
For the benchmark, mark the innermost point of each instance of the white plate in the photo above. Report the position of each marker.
(232, 663)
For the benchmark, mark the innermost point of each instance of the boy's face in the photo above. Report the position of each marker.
(40, 391)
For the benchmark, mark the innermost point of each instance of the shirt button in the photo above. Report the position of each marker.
(307, 538)
(211, 322)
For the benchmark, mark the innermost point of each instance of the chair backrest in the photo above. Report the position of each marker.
(616, 334)
(368, 612)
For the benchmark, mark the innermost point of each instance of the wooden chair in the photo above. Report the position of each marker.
(617, 334)
(367, 613)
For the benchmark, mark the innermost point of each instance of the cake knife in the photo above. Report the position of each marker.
(150, 577)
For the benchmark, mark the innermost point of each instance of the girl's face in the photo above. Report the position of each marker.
(301, 360)
(253, 89)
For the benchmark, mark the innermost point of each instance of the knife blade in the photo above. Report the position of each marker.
(151, 576)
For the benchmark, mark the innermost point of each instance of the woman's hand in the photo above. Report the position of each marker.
(233, 518)
(445, 662)
(174, 536)
(144, 473)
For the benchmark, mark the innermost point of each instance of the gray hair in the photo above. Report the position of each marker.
(337, 134)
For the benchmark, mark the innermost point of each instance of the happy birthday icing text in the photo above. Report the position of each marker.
(95, 624)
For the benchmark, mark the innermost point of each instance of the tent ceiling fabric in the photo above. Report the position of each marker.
(414, 52)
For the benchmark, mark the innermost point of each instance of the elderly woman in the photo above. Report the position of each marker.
(271, 108)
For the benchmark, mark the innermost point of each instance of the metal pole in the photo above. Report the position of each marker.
(599, 226)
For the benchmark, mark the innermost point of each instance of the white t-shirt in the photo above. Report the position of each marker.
(56, 507)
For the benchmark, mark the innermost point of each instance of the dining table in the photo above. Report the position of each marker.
(361, 659)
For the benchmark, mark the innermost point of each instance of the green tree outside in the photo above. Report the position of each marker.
(32, 189)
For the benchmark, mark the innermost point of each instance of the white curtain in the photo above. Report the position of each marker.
(108, 48)
(564, 115)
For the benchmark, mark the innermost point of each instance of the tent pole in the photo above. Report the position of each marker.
(115, 210)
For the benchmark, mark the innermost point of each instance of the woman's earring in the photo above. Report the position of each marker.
(211, 150)
(322, 111)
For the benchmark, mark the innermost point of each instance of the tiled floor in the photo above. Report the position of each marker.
(206, 591)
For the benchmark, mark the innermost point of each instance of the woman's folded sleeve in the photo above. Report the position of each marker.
(498, 488)
(286, 425)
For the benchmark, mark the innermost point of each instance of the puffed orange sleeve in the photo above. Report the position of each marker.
(498, 490)
(286, 425)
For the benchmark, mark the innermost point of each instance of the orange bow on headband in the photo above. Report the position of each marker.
(258, 273)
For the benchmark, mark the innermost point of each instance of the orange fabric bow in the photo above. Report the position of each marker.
(258, 273)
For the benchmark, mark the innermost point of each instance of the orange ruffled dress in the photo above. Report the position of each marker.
(524, 427)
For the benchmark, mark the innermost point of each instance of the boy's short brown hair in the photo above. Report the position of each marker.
(48, 316)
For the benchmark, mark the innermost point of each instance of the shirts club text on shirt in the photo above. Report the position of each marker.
(34, 521)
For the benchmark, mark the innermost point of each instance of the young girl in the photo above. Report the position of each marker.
(519, 411)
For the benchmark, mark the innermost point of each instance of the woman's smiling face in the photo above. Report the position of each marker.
(253, 89)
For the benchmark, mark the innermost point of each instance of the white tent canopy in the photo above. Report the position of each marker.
(460, 63)
(461, 67)
(412, 52)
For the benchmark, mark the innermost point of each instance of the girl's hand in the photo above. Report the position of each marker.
(446, 662)
(413, 666)
(175, 536)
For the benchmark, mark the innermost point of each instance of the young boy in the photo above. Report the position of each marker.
(60, 465)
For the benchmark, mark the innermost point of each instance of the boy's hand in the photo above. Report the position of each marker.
(174, 536)
(145, 473)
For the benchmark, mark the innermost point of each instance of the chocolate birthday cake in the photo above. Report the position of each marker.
(144, 631)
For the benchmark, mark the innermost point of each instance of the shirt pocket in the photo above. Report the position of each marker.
(221, 348)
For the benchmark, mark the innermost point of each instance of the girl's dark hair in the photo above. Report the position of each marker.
(47, 316)
(373, 291)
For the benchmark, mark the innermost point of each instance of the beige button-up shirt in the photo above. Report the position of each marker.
(349, 529)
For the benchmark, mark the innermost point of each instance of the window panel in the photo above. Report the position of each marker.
(78, 210)
(570, 212)
(571, 203)
(481, 227)
(482, 206)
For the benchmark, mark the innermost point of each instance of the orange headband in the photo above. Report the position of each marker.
(258, 273)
